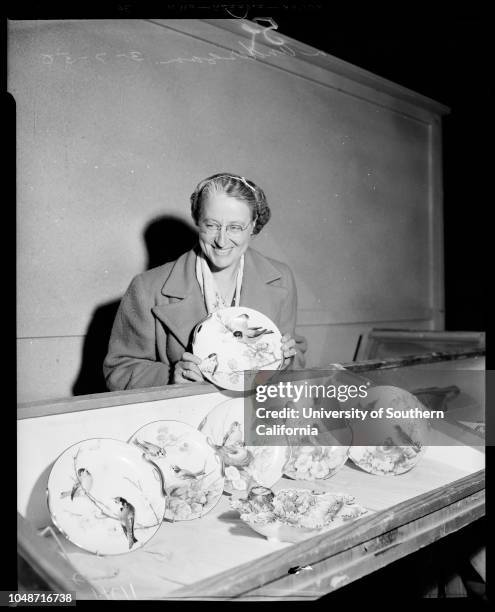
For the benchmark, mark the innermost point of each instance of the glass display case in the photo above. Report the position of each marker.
(217, 555)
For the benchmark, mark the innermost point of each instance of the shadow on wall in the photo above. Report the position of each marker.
(166, 238)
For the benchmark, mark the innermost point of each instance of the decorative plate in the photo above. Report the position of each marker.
(190, 469)
(104, 497)
(292, 515)
(233, 341)
(243, 465)
(322, 456)
(404, 439)
(315, 462)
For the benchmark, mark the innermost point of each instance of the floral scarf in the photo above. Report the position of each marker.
(213, 299)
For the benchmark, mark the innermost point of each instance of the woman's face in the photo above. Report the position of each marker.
(222, 249)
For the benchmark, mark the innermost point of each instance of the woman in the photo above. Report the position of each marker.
(151, 336)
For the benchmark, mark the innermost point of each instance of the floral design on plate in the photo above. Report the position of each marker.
(243, 465)
(322, 456)
(315, 462)
(292, 515)
(404, 440)
(190, 469)
(233, 342)
(104, 497)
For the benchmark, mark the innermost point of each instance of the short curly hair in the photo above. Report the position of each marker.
(237, 187)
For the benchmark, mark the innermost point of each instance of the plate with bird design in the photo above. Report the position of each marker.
(401, 436)
(234, 343)
(105, 497)
(243, 466)
(191, 472)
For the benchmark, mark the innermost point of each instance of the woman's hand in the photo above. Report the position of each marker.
(187, 370)
(288, 350)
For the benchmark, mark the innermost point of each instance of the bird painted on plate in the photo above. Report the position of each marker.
(240, 329)
(150, 449)
(126, 514)
(233, 435)
(237, 454)
(184, 474)
(84, 483)
(209, 365)
(407, 439)
(233, 448)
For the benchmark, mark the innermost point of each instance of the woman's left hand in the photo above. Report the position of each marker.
(288, 350)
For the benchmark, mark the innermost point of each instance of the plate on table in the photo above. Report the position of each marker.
(236, 340)
(104, 497)
(403, 440)
(243, 465)
(293, 515)
(315, 462)
(190, 469)
(322, 456)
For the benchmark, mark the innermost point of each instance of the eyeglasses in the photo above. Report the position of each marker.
(232, 229)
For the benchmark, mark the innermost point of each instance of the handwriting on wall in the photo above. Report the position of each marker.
(248, 50)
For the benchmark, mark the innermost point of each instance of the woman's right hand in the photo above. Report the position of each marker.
(187, 370)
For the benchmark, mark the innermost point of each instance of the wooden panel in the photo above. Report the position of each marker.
(376, 534)
(29, 410)
(342, 569)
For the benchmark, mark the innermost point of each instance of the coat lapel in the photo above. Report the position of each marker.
(186, 305)
(259, 286)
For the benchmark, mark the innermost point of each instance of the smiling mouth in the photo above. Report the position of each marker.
(223, 251)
